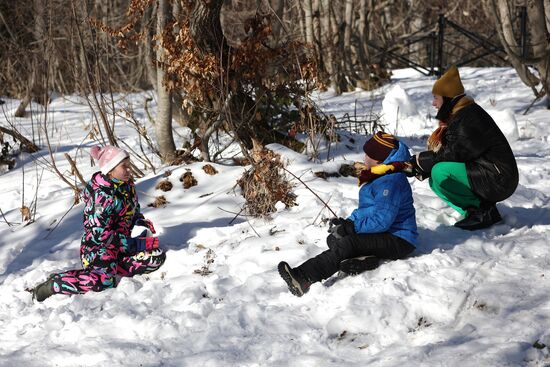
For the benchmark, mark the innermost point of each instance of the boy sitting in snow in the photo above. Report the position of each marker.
(382, 227)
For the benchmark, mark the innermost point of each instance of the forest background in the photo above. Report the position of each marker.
(246, 67)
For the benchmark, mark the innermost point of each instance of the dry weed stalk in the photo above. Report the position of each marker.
(265, 184)
(208, 260)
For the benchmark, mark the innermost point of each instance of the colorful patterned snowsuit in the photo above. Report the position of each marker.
(111, 209)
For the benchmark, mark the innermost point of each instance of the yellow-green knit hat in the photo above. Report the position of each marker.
(449, 85)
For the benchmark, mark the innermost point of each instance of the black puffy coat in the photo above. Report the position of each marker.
(474, 138)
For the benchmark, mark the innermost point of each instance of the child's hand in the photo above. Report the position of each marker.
(142, 243)
(343, 228)
(334, 222)
(146, 223)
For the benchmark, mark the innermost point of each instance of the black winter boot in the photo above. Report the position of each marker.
(43, 290)
(297, 284)
(357, 265)
(478, 218)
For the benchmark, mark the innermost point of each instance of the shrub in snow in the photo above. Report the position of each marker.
(188, 180)
(265, 184)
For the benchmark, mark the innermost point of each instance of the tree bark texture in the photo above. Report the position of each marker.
(538, 27)
(205, 27)
(163, 121)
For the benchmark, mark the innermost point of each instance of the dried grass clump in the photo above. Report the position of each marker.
(160, 201)
(188, 180)
(265, 184)
(164, 185)
(209, 169)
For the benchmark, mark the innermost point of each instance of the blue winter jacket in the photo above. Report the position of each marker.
(386, 204)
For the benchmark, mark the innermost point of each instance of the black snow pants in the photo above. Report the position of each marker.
(382, 245)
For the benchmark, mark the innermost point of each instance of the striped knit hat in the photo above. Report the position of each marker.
(380, 146)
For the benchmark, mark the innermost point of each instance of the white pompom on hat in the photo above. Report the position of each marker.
(108, 157)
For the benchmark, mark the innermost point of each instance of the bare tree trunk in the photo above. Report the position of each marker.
(20, 111)
(338, 80)
(507, 37)
(206, 31)
(308, 21)
(540, 39)
(148, 47)
(278, 28)
(205, 27)
(348, 23)
(163, 121)
(316, 23)
(349, 47)
(326, 40)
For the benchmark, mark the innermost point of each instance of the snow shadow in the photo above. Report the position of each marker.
(518, 217)
(43, 240)
(63, 244)
(177, 237)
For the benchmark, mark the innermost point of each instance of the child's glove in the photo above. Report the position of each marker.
(343, 228)
(146, 223)
(142, 243)
(333, 222)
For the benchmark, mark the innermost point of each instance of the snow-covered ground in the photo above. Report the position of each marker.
(462, 299)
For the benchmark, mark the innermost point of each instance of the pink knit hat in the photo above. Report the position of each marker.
(108, 157)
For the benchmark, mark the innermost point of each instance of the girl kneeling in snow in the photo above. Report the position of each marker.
(107, 249)
(382, 227)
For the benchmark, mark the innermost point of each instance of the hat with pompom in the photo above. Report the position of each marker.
(449, 85)
(108, 157)
(380, 146)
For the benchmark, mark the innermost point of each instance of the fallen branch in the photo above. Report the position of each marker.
(313, 192)
(30, 147)
(236, 214)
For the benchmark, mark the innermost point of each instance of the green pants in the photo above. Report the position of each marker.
(449, 181)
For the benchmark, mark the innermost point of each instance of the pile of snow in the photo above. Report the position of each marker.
(462, 298)
(507, 123)
(400, 115)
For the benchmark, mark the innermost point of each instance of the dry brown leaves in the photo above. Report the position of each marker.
(265, 184)
(164, 185)
(188, 180)
(25, 213)
(209, 169)
(160, 201)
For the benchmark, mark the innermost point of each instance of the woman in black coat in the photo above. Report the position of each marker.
(470, 163)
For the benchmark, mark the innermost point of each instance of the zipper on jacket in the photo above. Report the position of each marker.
(496, 167)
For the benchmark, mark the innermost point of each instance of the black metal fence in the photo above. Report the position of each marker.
(446, 43)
